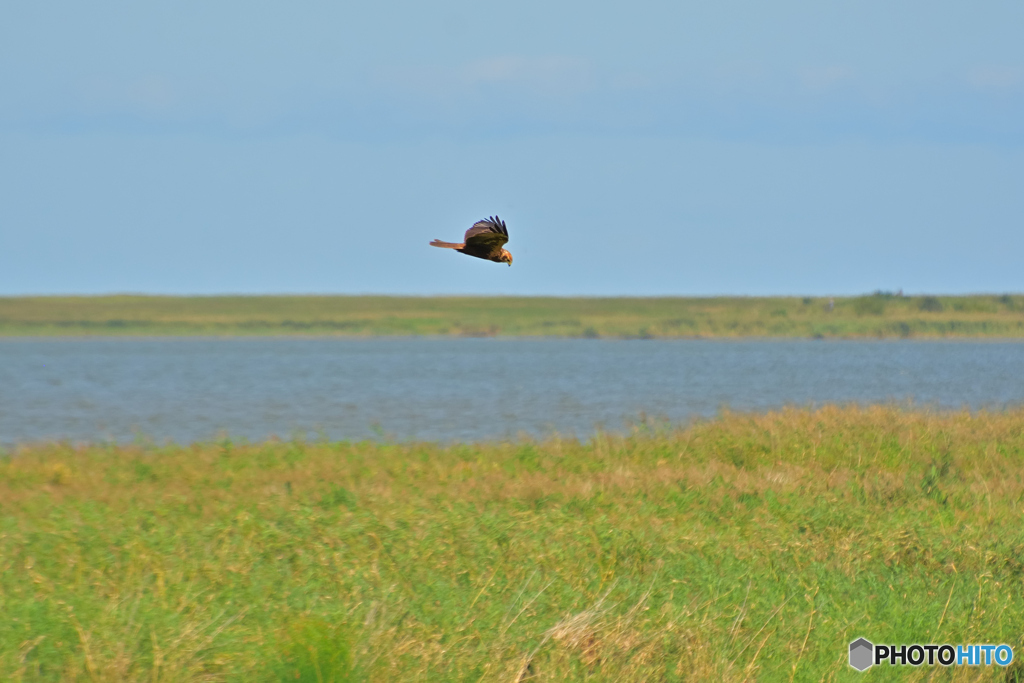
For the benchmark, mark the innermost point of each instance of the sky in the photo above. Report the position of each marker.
(642, 148)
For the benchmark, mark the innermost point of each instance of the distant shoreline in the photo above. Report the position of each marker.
(875, 316)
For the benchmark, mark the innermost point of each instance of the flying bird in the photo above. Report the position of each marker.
(484, 240)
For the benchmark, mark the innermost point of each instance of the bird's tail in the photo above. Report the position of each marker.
(446, 245)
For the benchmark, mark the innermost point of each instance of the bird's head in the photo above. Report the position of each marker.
(506, 257)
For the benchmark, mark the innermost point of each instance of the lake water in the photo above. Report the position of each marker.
(462, 389)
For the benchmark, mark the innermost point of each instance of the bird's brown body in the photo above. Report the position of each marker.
(485, 240)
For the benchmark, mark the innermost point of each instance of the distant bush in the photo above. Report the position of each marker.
(975, 305)
(870, 305)
(902, 329)
(930, 304)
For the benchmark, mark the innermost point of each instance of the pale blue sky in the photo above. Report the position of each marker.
(641, 148)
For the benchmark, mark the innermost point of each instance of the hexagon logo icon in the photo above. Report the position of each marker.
(861, 651)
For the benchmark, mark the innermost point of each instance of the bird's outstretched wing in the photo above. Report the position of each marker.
(486, 237)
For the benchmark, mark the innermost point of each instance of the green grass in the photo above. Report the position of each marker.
(876, 315)
(748, 547)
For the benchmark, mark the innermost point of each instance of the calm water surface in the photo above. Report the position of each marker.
(461, 389)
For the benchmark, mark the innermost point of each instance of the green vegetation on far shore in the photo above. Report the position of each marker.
(743, 548)
(879, 315)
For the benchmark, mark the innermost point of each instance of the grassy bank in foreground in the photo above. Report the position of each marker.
(877, 315)
(744, 548)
